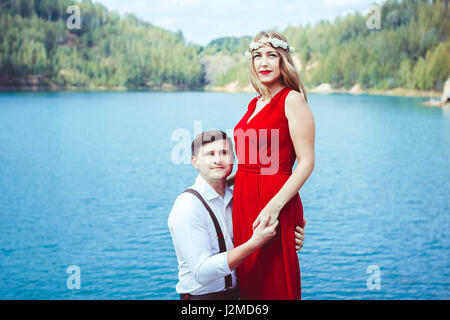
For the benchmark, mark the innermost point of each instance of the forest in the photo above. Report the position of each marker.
(37, 49)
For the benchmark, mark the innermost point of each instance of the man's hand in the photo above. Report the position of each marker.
(299, 236)
(263, 233)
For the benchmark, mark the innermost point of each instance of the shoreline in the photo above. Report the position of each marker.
(325, 88)
(230, 88)
(91, 89)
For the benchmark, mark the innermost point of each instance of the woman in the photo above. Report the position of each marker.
(277, 129)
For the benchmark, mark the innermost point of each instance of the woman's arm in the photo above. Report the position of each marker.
(302, 132)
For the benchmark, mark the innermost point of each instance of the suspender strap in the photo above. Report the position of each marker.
(222, 246)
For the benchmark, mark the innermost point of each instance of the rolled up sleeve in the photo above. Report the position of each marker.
(212, 268)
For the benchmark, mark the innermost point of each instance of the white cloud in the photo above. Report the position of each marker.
(183, 3)
(165, 22)
(340, 3)
(202, 21)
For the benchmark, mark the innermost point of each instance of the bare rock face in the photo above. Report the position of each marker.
(445, 99)
(297, 62)
(216, 64)
(356, 89)
(323, 88)
(446, 92)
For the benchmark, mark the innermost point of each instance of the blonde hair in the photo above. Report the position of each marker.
(289, 76)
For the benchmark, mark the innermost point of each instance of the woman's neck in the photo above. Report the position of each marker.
(275, 88)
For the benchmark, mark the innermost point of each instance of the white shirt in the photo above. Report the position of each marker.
(201, 266)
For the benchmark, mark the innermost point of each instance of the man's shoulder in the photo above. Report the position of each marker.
(186, 206)
(186, 199)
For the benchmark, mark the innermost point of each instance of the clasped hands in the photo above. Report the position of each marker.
(269, 216)
(270, 212)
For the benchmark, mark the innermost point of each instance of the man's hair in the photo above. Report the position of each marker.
(208, 137)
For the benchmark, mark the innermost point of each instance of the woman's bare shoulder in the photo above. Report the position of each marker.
(294, 103)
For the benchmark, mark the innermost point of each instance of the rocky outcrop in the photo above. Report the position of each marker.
(446, 92)
(322, 88)
(356, 89)
(234, 87)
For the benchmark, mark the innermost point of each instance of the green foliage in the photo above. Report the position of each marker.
(438, 65)
(108, 51)
(410, 35)
(411, 50)
(228, 45)
(238, 72)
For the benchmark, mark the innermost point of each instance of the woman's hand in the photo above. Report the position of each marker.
(263, 233)
(270, 212)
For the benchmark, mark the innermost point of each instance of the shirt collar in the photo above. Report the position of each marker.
(209, 193)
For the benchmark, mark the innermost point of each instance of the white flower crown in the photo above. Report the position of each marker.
(275, 42)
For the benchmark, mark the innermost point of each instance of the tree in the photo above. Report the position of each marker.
(438, 66)
(405, 74)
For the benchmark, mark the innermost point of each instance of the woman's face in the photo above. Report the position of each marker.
(266, 61)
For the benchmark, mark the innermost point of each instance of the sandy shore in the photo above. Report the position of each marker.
(326, 88)
(164, 87)
(234, 87)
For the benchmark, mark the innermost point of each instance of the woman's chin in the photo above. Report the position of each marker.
(268, 82)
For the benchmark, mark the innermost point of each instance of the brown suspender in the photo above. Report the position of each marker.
(222, 246)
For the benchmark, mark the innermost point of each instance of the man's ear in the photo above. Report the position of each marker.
(194, 162)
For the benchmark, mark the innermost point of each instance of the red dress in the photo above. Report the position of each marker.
(265, 158)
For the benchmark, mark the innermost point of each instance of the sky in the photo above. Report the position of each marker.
(204, 20)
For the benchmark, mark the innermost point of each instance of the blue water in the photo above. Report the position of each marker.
(88, 179)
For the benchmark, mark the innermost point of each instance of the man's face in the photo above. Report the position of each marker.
(214, 160)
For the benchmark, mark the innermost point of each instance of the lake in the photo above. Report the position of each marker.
(88, 180)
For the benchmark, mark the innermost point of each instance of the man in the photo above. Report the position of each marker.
(201, 227)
